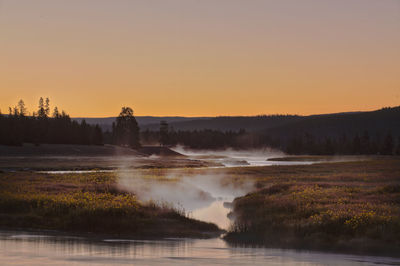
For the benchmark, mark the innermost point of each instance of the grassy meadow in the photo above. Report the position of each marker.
(346, 206)
(88, 203)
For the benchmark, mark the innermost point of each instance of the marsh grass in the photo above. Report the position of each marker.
(339, 206)
(91, 202)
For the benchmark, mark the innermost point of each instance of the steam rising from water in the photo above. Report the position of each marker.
(231, 158)
(202, 196)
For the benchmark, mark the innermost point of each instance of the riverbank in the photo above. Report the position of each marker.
(31, 150)
(347, 206)
(89, 203)
(323, 158)
(56, 157)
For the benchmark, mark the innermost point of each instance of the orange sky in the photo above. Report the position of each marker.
(201, 57)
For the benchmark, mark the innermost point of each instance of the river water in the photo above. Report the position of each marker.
(30, 248)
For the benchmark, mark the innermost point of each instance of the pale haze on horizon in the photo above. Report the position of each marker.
(201, 57)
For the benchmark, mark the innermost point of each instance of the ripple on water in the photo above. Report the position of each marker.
(43, 249)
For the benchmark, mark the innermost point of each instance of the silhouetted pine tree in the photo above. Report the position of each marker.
(126, 129)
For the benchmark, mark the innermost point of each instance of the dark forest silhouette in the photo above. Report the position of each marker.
(376, 132)
(368, 133)
(18, 127)
(301, 144)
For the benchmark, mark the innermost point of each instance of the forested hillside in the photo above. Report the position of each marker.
(375, 132)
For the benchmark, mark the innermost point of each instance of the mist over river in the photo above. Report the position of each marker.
(205, 197)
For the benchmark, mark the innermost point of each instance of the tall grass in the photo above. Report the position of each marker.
(87, 203)
(330, 209)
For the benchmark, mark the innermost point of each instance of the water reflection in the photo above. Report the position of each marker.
(25, 248)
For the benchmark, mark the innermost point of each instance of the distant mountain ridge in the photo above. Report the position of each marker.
(106, 122)
(383, 119)
(377, 123)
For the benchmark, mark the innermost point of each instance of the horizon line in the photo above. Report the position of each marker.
(215, 116)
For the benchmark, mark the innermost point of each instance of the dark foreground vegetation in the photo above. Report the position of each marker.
(348, 206)
(89, 203)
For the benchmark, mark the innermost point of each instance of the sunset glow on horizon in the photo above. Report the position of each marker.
(200, 57)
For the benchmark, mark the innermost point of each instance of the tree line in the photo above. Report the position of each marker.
(359, 144)
(194, 139)
(307, 143)
(18, 127)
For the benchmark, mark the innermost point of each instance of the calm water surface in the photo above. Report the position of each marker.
(28, 248)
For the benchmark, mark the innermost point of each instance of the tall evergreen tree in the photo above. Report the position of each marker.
(41, 108)
(47, 107)
(56, 113)
(126, 129)
(21, 108)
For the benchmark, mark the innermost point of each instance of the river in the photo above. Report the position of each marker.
(32, 248)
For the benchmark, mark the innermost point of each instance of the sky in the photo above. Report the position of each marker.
(200, 57)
